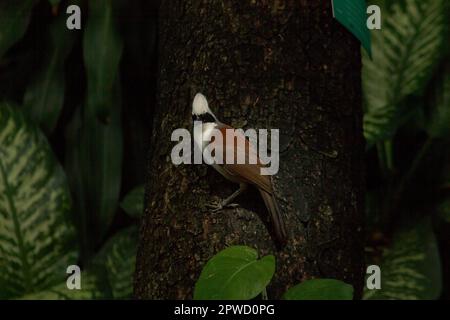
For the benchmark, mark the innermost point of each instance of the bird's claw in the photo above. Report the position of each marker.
(216, 206)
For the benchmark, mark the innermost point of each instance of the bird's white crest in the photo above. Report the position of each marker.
(200, 105)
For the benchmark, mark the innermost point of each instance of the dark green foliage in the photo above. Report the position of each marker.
(133, 203)
(438, 123)
(71, 90)
(102, 50)
(94, 166)
(405, 52)
(116, 263)
(411, 267)
(44, 97)
(74, 130)
(407, 120)
(443, 211)
(14, 20)
(320, 289)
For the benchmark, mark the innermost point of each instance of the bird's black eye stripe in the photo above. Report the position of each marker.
(205, 118)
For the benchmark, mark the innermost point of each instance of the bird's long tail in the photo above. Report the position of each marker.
(275, 217)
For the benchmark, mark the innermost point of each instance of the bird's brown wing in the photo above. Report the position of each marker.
(249, 173)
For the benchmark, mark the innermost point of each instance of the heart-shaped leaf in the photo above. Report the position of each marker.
(235, 273)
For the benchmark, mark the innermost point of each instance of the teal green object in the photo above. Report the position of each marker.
(352, 15)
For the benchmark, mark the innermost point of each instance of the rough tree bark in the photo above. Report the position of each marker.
(262, 64)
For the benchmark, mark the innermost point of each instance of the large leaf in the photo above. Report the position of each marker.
(94, 159)
(133, 203)
(320, 289)
(92, 287)
(44, 97)
(94, 169)
(37, 238)
(108, 276)
(102, 45)
(234, 273)
(117, 261)
(14, 20)
(405, 52)
(411, 267)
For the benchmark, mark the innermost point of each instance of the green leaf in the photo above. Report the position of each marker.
(320, 289)
(102, 45)
(352, 15)
(405, 52)
(37, 238)
(109, 276)
(117, 261)
(234, 273)
(94, 168)
(411, 267)
(44, 97)
(14, 20)
(94, 159)
(91, 289)
(133, 203)
(438, 125)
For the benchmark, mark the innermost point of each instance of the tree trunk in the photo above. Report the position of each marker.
(261, 64)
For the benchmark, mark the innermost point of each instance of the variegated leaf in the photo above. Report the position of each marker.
(117, 261)
(405, 52)
(411, 268)
(92, 288)
(37, 239)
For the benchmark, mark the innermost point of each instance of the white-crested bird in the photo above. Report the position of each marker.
(243, 174)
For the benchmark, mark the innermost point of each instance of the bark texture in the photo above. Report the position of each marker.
(261, 64)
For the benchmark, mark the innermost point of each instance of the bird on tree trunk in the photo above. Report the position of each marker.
(207, 129)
